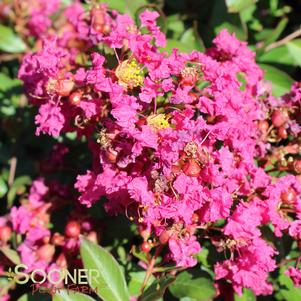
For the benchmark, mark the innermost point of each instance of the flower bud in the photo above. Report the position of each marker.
(297, 166)
(111, 155)
(5, 233)
(164, 237)
(279, 117)
(72, 229)
(145, 247)
(289, 197)
(282, 132)
(75, 98)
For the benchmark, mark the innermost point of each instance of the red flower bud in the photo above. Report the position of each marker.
(297, 166)
(72, 229)
(282, 132)
(145, 247)
(5, 233)
(289, 197)
(75, 98)
(164, 237)
(111, 155)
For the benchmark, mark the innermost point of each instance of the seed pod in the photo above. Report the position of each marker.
(111, 155)
(5, 233)
(192, 168)
(282, 132)
(289, 197)
(63, 87)
(145, 247)
(279, 117)
(72, 229)
(297, 166)
(75, 98)
(164, 237)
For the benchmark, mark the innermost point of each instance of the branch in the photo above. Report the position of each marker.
(285, 40)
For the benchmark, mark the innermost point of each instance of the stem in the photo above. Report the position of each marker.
(285, 40)
(150, 270)
(12, 170)
(285, 261)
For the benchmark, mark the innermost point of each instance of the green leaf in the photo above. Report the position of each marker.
(157, 289)
(288, 290)
(3, 187)
(294, 48)
(221, 19)
(9, 41)
(279, 55)
(281, 81)
(18, 186)
(126, 6)
(69, 295)
(190, 38)
(276, 33)
(11, 254)
(235, 6)
(200, 289)
(246, 296)
(7, 82)
(136, 281)
(110, 284)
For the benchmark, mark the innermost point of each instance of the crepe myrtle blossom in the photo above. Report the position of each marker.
(179, 141)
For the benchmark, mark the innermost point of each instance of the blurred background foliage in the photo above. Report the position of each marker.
(272, 29)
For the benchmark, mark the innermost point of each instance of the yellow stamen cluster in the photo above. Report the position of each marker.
(129, 74)
(158, 121)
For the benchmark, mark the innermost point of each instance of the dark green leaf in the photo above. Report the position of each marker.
(200, 289)
(276, 33)
(221, 19)
(9, 41)
(110, 284)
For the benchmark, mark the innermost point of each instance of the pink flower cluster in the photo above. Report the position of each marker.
(174, 138)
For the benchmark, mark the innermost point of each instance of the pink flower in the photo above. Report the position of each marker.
(295, 274)
(148, 19)
(50, 120)
(182, 251)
